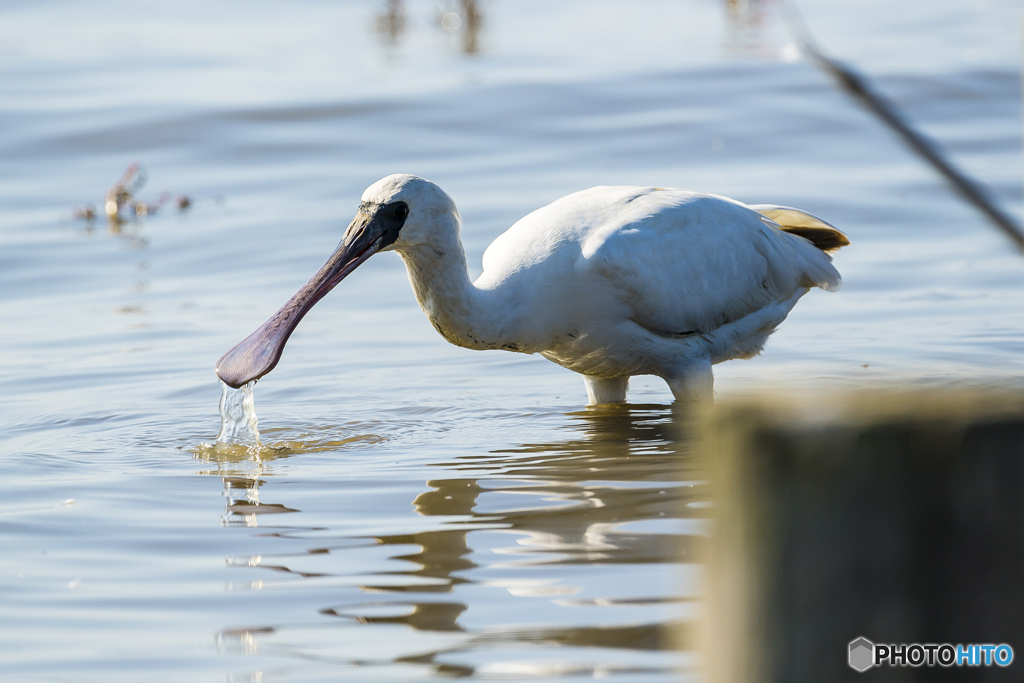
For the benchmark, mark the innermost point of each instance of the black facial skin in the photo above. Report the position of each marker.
(392, 216)
(375, 226)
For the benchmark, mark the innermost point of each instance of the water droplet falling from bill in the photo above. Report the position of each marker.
(238, 423)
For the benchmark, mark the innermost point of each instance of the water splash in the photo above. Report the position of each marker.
(238, 423)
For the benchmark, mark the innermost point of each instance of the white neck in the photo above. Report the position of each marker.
(461, 312)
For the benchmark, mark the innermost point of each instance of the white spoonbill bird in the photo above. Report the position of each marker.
(609, 282)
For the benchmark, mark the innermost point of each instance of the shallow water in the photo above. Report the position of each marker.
(417, 510)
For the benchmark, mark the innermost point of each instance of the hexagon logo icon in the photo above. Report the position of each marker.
(862, 654)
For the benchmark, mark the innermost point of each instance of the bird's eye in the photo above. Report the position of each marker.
(401, 211)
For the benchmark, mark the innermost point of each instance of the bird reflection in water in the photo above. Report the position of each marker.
(572, 511)
(566, 499)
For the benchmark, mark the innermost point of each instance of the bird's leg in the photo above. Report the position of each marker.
(606, 389)
(694, 383)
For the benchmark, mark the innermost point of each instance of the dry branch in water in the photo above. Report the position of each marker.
(121, 203)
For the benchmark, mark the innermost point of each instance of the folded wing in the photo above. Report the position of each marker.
(690, 263)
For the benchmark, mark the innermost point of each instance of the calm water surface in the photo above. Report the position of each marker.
(418, 510)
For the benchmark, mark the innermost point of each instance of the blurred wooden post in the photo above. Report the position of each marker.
(897, 519)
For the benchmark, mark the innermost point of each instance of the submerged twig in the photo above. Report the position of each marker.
(859, 86)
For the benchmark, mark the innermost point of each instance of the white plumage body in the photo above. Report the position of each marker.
(613, 282)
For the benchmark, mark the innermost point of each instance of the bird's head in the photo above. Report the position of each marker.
(409, 210)
(398, 212)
